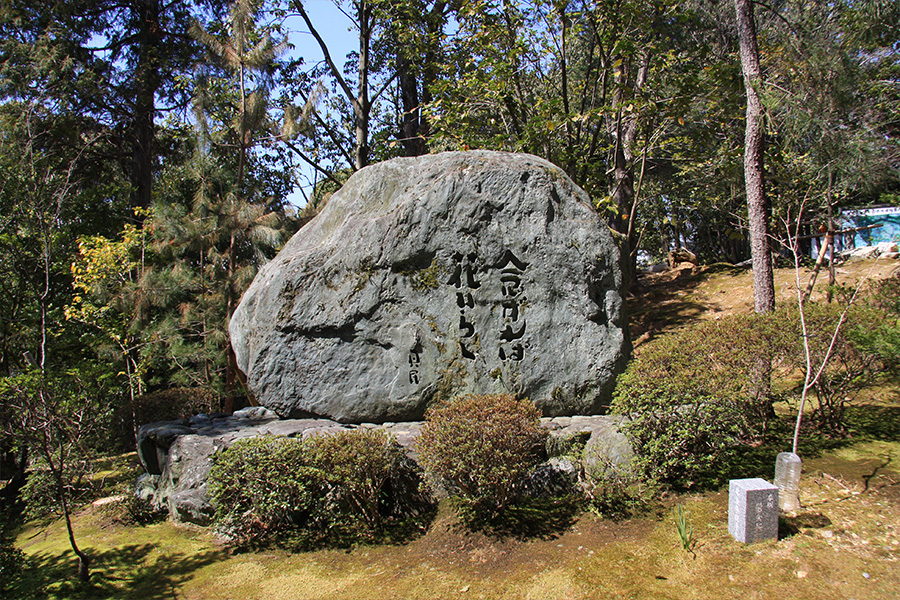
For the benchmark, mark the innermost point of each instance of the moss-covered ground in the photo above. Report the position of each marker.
(845, 543)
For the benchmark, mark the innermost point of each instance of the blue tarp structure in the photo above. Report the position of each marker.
(889, 231)
(888, 216)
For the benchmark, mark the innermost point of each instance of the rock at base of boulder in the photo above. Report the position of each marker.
(181, 488)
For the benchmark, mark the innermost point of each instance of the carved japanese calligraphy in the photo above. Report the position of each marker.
(513, 328)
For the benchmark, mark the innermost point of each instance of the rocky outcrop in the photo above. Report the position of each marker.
(424, 278)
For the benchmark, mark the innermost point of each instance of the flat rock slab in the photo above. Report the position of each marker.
(424, 278)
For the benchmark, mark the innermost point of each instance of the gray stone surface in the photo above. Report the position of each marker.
(184, 452)
(153, 441)
(427, 277)
(752, 510)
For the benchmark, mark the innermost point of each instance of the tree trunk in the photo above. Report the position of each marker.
(84, 561)
(146, 78)
(362, 105)
(757, 204)
(623, 131)
(410, 123)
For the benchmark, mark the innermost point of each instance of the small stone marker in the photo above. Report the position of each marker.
(752, 510)
(787, 480)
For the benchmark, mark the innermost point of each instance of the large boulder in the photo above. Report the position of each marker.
(427, 277)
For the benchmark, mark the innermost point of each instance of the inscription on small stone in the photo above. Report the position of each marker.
(752, 510)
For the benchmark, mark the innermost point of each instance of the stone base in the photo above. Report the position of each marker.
(178, 455)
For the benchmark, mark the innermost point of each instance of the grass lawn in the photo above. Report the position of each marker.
(845, 543)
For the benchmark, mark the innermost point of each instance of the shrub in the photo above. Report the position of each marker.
(613, 487)
(163, 405)
(691, 396)
(332, 489)
(696, 395)
(263, 491)
(41, 493)
(136, 511)
(852, 364)
(365, 469)
(12, 564)
(881, 336)
(481, 448)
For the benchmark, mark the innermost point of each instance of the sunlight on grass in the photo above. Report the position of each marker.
(842, 533)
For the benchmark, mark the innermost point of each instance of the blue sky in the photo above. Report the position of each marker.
(339, 34)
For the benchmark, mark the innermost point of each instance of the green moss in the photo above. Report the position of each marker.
(449, 381)
(567, 445)
(428, 278)
(363, 274)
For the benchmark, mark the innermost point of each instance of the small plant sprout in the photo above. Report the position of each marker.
(685, 528)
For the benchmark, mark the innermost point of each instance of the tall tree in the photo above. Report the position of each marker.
(595, 87)
(247, 55)
(360, 97)
(754, 147)
(48, 196)
(215, 224)
(117, 61)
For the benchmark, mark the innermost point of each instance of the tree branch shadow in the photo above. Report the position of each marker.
(136, 571)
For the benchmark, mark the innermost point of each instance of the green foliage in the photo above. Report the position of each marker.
(617, 491)
(162, 405)
(334, 490)
(881, 337)
(692, 396)
(41, 494)
(360, 465)
(689, 399)
(850, 367)
(134, 511)
(481, 448)
(528, 517)
(12, 564)
(263, 491)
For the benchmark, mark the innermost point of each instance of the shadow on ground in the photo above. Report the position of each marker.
(134, 571)
(661, 302)
(875, 422)
(529, 518)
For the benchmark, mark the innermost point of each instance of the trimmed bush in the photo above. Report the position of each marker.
(690, 396)
(854, 363)
(365, 468)
(327, 490)
(263, 491)
(698, 394)
(881, 336)
(482, 448)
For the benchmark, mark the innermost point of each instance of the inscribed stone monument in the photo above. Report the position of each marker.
(752, 510)
(424, 278)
